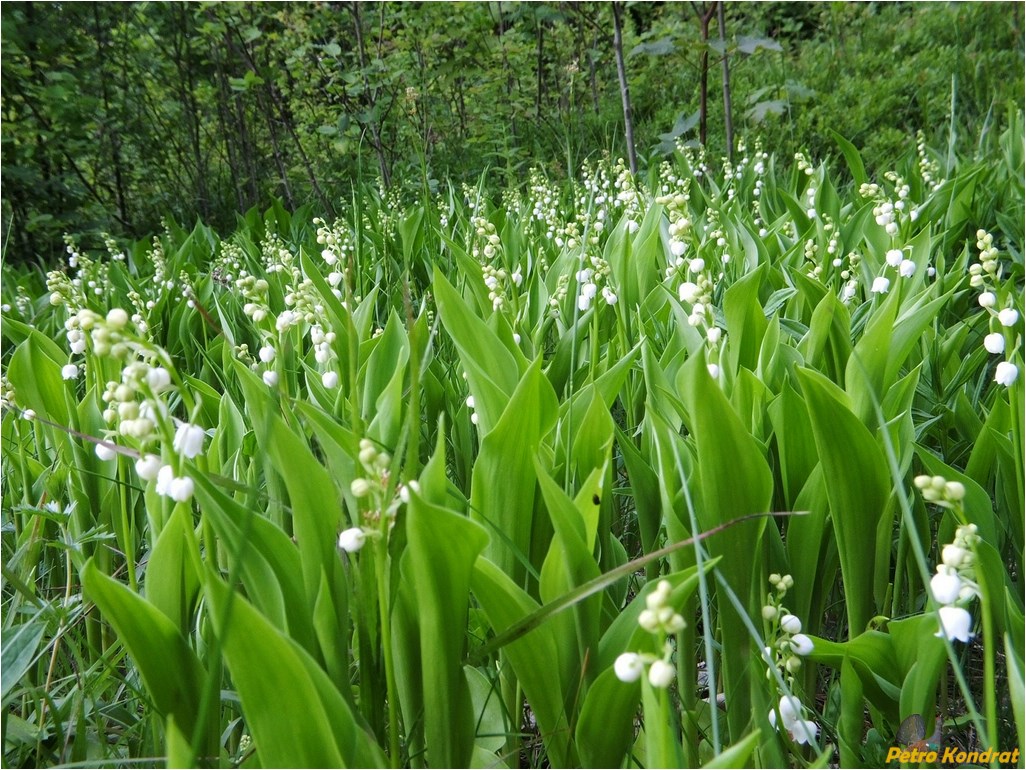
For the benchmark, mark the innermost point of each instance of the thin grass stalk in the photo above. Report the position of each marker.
(703, 593)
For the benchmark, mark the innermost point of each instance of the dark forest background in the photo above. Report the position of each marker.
(116, 115)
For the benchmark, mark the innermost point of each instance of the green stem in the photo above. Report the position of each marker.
(381, 572)
(128, 530)
(990, 681)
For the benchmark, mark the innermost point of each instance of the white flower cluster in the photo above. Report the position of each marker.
(989, 266)
(593, 280)
(134, 403)
(254, 292)
(628, 196)
(786, 651)
(8, 399)
(374, 488)
(929, 169)
(501, 284)
(675, 196)
(188, 443)
(986, 274)
(661, 620)
(954, 583)
(543, 197)
(811, 190)
(790, 643)
(800, 730)
(599, 192)
(698, 294)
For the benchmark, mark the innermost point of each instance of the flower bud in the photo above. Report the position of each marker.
(352, 540)
(117, 318)
(661, 674)
(955, 624)
(1008, 316)
(790, 624)
(994, 343)
(954, 490)
(180, 489)
(953, 556)
(1006, 373)
(648, 620)
(628, 667)
(801, 644)
(361, 487)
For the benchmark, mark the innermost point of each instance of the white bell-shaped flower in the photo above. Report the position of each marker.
(955, 624)
(945, 587)
(189, 440)
(352, 540)
(148, 466)
(994, 343)
(1006, 373)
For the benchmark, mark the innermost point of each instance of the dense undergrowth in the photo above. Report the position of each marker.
(423, 486)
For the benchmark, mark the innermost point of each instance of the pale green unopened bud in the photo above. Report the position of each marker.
(360, 487)
(954, 490)
(367, 456)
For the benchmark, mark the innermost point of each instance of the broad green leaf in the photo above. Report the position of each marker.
(296, 716)
(172, 580)
(734, 479)
(442, 547)
(503, 485)
(173, 675)
(737, 755)
(531, 655)
(606, 723)
(268, 561)
(858, 487)
(491, 369)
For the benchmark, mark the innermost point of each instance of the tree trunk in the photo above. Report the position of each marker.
(703, 89)
(540, 67)
(625, 94)
(728, 118)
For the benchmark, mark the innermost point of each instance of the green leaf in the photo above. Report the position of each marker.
(858, 486)
(20, 647)
(173, 675)
(491, 369)
(172, 581)
(503, 483)
(852, 158)
(531, 655)
(732, 479)
(737, 755)
(296, 716)
(442, 547)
